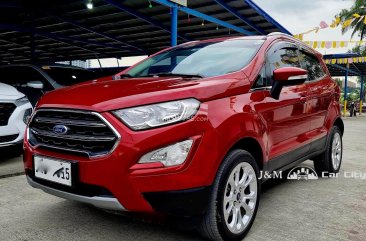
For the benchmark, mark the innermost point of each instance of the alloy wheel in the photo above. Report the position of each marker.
(336, 151)
(240, 197)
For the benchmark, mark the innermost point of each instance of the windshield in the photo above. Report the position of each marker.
(69, 76)
(200, 59)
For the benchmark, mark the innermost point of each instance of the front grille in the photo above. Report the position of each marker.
(86, 132)
(6, 109)
(4, 139)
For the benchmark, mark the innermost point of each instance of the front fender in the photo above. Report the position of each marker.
(233, 120)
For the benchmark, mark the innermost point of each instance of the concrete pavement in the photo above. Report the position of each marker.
(10, 166)
(325, 209)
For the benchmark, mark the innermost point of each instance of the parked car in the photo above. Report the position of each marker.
(35, 80)
(15, 111)
(187, 131)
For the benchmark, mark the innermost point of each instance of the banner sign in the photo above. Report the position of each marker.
(180, 2)
(346, 60)
(332, 44)
(335, 23)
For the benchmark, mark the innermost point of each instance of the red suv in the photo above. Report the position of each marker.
(189, 130)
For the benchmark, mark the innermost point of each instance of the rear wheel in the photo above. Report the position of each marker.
(330, 161)
(234, 198)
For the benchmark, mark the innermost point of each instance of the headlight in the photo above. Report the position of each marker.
(169, 156)
(27, 115)
(149, 116)
(21, 101)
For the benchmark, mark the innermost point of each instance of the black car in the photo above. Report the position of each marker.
(34, 81)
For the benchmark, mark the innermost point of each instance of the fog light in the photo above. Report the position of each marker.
(172, 155)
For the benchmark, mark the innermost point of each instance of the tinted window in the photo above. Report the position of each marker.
(285, 57)
(206, 59)
(19, 76)
(69, 76)
(312, 65)
(261, 79)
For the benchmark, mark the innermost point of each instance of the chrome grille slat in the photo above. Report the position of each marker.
(68, 122)
(71, 137)
(87, 132)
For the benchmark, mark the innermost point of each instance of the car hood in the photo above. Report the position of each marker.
(9, 92)
(115, 94)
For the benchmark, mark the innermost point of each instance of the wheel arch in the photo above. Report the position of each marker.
(339, 123)
(333, 118)
(252, 146)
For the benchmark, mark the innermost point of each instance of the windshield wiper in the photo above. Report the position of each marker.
(125, 76)
(122, 76)
(175, 74)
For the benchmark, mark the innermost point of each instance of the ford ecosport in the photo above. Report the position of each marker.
(187, 131)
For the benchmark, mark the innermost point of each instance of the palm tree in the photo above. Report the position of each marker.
(354, 18)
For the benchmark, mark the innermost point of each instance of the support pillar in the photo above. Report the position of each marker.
(361, 93)
(32, 41)
(174, 25)
(345, 92)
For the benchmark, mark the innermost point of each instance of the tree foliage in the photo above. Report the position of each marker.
(359, 49)
(358, 24)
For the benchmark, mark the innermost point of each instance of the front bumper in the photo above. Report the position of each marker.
(15, 127)
(179, 203)
(109, 203)
(140, 187)
(188, 202)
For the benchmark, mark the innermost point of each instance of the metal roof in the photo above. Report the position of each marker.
(339, 70)
(66, 30)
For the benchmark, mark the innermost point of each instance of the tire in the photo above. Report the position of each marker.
(330, 161)
(215, 223)
(11, 151)
(18, 150)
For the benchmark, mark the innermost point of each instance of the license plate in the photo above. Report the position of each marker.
(53, 170)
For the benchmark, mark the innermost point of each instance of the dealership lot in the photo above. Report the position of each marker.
(159, 120)
(325, 209)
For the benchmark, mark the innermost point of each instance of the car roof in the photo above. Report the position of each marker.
(282, 36)
(270, 37)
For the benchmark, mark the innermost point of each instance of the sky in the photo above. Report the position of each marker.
(297, 16)
(301, 16)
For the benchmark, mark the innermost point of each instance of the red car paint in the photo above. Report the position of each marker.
(230, 111)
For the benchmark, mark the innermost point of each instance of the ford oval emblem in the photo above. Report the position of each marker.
(60, 129)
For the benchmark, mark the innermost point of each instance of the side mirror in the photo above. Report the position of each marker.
(287, 76)
(35, 85)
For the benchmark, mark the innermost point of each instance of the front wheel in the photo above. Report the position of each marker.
(234, 198)
(330, 161)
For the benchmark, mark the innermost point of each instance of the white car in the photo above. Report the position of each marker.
(15, 110)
